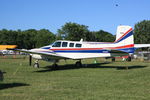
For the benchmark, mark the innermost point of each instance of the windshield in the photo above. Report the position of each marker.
(57, 44)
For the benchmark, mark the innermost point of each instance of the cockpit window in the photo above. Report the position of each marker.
(57, 44)
(64, 44)
(71, 45)
(78, 45)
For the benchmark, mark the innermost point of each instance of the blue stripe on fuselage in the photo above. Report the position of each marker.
(128, 50)
(81, 51)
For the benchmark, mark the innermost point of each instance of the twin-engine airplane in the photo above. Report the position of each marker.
(78, 50)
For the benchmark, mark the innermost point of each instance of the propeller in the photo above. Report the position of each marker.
(30, 59)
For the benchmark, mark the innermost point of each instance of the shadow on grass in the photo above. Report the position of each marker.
(98, 65)
(130, 67)
(11, 85)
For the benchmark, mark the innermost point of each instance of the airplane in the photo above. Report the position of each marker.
(78, 50)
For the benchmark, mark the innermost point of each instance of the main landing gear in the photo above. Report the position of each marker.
(55, 66)
(78, 64)
(129, 59)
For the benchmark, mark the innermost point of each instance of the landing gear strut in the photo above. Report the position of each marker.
(55, 66)
(1, 76)
(36, 64)
(78, 64)
(113, 59)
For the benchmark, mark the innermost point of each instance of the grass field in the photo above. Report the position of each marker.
(101, 81)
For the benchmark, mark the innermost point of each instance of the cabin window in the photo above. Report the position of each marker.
(71, 45)
(78, 45)
(57, 44)
(64, 44)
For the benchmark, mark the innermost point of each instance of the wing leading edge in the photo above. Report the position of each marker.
(41, 52)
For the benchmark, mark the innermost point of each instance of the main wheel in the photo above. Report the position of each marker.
(78, 64)
(55, 67)
(129, 59)
(113, 59)
(36, 65)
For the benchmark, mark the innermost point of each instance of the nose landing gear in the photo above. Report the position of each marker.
(36, 64)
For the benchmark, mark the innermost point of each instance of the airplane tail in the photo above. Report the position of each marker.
(124, 39)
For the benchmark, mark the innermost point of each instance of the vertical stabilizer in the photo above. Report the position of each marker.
(124, 39)
(124, 35)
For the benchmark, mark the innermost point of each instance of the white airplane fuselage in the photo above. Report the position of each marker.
(87, 50)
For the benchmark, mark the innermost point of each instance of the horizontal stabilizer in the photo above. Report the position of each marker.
(141, 45)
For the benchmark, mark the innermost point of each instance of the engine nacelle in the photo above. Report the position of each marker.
(36, 56)
(45, 58)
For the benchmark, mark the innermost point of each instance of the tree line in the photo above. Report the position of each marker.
(33, 38)
(26, 39)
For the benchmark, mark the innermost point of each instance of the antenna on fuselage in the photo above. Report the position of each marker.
(81, 40)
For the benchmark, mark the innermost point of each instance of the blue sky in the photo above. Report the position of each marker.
(52, 14)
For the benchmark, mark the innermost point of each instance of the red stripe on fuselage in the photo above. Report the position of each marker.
(121, 47)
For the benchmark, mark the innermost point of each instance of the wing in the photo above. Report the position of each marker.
(43, 52)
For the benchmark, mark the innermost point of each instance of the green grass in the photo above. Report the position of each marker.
(102, 81)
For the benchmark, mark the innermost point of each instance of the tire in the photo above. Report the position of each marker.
(113, 59)
(36, 65)
(55, 67)
(78, 64)
(129, 59)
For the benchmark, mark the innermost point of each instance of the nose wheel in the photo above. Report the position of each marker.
(36, 64)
